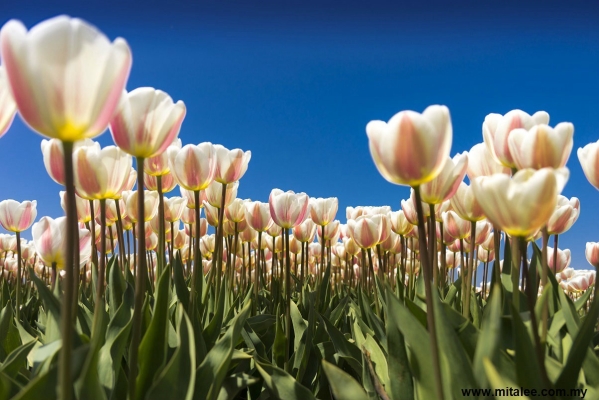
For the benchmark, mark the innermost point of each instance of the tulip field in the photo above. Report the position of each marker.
(160, 283)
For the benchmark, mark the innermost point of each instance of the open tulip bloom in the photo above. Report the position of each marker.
(257, 289)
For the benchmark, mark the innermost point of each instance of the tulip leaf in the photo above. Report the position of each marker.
(527, 368)
(281, 385)
(116, 285)
(9, 335)
(180, 285)
(347, 350)
(343, 386)
(177, 379)
(17, 359)
(487, 345)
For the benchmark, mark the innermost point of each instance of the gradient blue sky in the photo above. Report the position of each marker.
(296, 82)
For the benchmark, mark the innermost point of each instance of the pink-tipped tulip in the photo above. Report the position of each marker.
(541, 146)
(168, 182)
(497, 129)
(49, 237)
(83, 207)
(230, 164)
(564, 216)
(323, 211)
(330, 231)
(399, 223)
(482, 163)
(101, 173)
(366, 231)
(173, 208)
(8, 107)
(214, 193)
(411, 148)
(288, 209)
(212, 214)
(305, 231)
(589, 161)
(159, 165)
(17, 217)
(146, 122)
(257, 215)
(519, 206)
(235, 211)
(456, 227)
(564, 258)
(66, 76)
(203, 228)
(354, 212)
(444, 186)
(150, 205)
(466, 205)
(592, 253)
(54, 156)
(193, 166)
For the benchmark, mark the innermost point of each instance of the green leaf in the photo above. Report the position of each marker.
(235, 383)
(212, 371)
(343, 386)
(281, 385)
(487, 345)
(116, 285)
(347, 350)
(278, 347)
(17, 359)
(213, 329)
(152, 350)
(527, 368)
(9, 335)
(180, 285)
(498, 381)
(177, 380)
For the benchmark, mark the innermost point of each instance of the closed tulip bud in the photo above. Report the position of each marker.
(190, 196)
(203, 228)
(592, 253)
(188, 216)
(278, 244)
(49, 237)
(8, 107)
(17, 217)
(8, 242)
(370, 210)
(465, 204)
(564, 216)
(323, 211)
(83, 207)
(443, 236)
(456, 247)
(351, 247)
(146, 122)
(214, 193)
(456, 226)
(399, 223)
(563, 259)
(483, 229)
(274, 230)
(440, 209)
(484, 255)
(354, 212)
(152, 243)
(330, 231)
(248, 234)
(366, 230)
(158, 165)
(305, 231)
(54, 157)
(111, 211)
(207, 244)
(409, 211)
(447, 182)
(193, 166)
(519, 206)
(497, 129)
(589, 161)
(231, 165)
(151, 201)
(295, 246)
(167, 182)
(155, 224)
(541, 146)
(392, 244)
(181, 239)
(212, 214)
(131, 180)
(411, 148)
(452, 259)
(482, 163)
(100, 173)
(235, 211)
(173, 208)
(489, 242)
(288, 209)
(65, 76)
(257, 215)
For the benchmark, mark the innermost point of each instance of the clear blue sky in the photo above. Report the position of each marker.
(296, 82)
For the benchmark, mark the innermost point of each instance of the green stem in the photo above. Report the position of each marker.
(197, 263)
(376, 296)
(161, 227)
(515, 274)
(257, 275)
(430, 317)
(140, 281)
(466, 310)
(219, 240)
(545, 309)
(119, 232)
(288, 298)
(19, 278)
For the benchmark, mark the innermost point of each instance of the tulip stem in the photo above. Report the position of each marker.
(466, 309)
(101, 270)
(140, 280)
(545, 309)
(19, 279)
(288, 298)
(515, 274)
(161, 228)
(376, 296)
(257, 275)
(197, 263)
(119, 232)
(432, 233)
(65, 384)
(430, 317)
(219, 240)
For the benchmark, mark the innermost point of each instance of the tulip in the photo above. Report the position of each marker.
(212, 214)
(366, 230)
(466, 204)
(8, 108)
(305, 231)
(557, 259)
(174, 208)
(49, 239)
(167, 182)
(231, 165)
(159, 165)
(54, 158)
(457, 227)
(399, 223)
(84, 211)
(101, 173)
(519, 206)
(323, 211)
(589, 160)
(411, 148)
(354, 212)
(214, 194)
(444, 186)
(330, 231)
(541, 146)
(565, 214)
(592, 253)
(481, 162)
(288, 209)
(150, 205)
(497, 129)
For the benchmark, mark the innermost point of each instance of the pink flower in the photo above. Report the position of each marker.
(288, 209)
(17, 217)
(230, 164)
(8, 108)
(193, 166)
(49, 238)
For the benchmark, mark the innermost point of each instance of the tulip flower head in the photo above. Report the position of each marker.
(53, 155)
(589, 160)
(564, 216)
(231, 165)
(592, 253)
(288, 209)
(482, 163)
(49, 237)
(323, 211)
(146, 122)
(193, 166)
(17, 217)
(519, 206)
(65, 75)
(444, 186)
(411, 148)
(101, 173)
(8, 108)
(541, 146)
(563, 259)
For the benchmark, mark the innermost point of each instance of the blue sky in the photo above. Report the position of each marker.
(296, 82)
